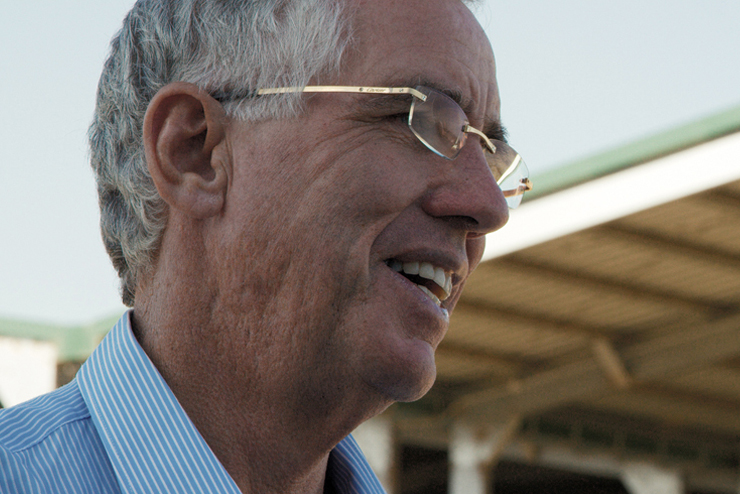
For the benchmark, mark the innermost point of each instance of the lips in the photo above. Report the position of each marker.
(434, 281)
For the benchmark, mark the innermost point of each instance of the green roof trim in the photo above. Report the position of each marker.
(75, 343)
(635, 153)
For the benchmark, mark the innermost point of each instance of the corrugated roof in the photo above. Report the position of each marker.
(630, 326)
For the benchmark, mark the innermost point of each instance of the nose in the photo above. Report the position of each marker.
(466, 192)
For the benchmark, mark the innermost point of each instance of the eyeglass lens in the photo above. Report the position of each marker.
(438, 122)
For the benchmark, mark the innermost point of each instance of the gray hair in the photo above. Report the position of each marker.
(225, 47)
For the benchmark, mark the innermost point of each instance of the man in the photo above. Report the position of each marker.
(291, 254)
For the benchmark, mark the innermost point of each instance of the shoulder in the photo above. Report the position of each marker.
(26, 425)
(49, 444)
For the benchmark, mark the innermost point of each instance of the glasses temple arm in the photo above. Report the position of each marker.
(487, 142)
(525, 185)
(343, 89)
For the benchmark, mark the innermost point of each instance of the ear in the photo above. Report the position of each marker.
(184, 142)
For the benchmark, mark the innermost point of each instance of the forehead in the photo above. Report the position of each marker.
(432, 42)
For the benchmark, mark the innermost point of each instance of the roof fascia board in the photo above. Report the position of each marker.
(634, 189)
(636, 153)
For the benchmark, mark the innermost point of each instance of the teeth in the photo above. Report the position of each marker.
(430, 294)
(411, 267)
(428, 271)
(438, 275)
(440, 278)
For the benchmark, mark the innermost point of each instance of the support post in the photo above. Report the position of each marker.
(643, 478)
(474, 453)
(377, 439)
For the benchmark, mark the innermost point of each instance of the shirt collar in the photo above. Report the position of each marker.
(152, 444)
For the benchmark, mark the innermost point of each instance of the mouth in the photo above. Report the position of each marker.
(435, 282)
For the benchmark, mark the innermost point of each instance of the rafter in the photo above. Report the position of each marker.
(725, 197)
(678, 350)
(726, 201)
(494, 310)
(676, 394)
(515, 365)
(633, 290)
(611, 363)
(668, 244)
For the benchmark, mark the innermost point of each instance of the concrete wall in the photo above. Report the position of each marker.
(28, 369)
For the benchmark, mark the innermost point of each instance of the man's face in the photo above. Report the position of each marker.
(322, 207)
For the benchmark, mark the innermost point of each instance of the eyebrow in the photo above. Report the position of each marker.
(496, 130)
(384, 102)
(493, 129)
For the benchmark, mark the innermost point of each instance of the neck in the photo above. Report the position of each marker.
(264, 412)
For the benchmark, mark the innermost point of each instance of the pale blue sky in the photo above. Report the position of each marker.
(576, 77)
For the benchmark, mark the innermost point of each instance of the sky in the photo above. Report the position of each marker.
(576, 77)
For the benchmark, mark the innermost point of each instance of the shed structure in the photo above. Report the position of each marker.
(601, 334)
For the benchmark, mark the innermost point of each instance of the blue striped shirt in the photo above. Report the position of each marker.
(118, 428)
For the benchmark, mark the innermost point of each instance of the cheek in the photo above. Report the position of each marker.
(474, 248)
(363, 192)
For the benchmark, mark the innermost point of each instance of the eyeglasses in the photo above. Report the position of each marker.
(442, 126)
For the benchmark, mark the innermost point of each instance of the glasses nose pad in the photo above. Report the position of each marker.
(460, 141)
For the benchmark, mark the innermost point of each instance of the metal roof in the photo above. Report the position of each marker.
(636, 153)
(624, 334)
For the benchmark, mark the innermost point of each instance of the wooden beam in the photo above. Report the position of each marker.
(732, 363)
(723, 197)
(680, 349)
(633, 290)
(511, 365)
(492, 310)
(673, 406)
(675, 394)
(666, 243)
(611, 363)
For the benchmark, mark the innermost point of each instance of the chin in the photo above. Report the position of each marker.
(412, 394)
(403, 381)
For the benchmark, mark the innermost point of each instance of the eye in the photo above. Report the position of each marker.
(397, 123)
(403, 117)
